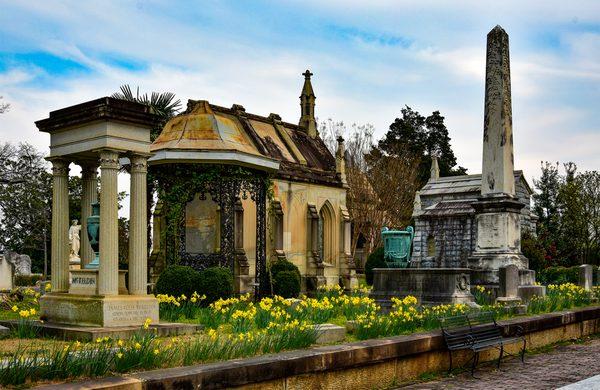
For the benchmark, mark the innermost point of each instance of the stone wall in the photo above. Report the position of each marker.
(444, 242)
(377, 363)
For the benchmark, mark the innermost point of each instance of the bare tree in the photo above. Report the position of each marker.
(381, 188)
(4, 107)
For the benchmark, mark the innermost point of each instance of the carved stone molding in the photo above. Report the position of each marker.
(109, 159)
(60, 167)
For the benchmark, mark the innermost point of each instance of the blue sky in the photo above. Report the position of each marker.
(369, 59)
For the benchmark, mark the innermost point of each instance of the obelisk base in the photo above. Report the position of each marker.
(498, 238)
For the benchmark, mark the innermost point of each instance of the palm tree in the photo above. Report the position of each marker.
(162, 103)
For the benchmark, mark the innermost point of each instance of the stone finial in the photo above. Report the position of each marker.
(417, 206)
(498, 161)
(435, 168)
(340, 160)
(307, 107)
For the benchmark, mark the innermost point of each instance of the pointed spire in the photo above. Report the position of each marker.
(307, 106)
(435, 169)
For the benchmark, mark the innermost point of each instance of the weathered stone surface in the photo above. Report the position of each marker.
(22, 263)
(98, 311)
(330, 333)
(586, 276)
(4, 331)
(498, 164)
(7, 273)
(428, 285)
(82, 333)
(527, 292)
(509, 281)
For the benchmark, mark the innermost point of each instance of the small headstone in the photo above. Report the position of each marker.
(7, 272)
(330, 333)
(509, 281)
(4, 331)
(586, 276)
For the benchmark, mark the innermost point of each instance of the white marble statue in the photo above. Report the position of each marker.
(74, 240)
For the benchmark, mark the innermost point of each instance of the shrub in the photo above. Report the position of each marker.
(562, 275)
(215, 283)
(286, 284)
(27, 280)
(176, 280)
(533, 249)
(375, 260)
(559, 275)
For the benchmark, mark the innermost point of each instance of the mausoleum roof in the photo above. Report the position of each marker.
(465, 184)
(207, 133)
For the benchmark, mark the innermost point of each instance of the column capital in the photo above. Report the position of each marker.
(109, 159)
(60, 166)
(139, 162)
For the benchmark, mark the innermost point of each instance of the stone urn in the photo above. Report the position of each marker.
(93, 232)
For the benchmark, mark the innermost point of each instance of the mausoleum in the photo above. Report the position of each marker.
(239, 189)
(445, 227)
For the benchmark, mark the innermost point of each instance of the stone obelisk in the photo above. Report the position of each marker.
(497, 209)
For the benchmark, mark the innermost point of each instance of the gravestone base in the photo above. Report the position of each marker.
(431, 286)
(98, 311)
(90, 333)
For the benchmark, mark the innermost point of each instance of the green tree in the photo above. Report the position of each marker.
(25, 202)
(572, 228)
(423, 137)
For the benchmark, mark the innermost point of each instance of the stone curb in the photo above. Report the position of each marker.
(258, 369)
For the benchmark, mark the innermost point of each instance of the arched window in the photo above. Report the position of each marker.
(326, 233)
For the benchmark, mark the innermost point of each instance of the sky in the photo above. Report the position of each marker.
(369, 59)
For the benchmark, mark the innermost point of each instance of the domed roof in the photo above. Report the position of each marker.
(201, 129)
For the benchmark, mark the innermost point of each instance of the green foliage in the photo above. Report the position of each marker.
(176, 280)
(568, 207)
(561, 275)
(375, 260)
(181, 182)
(286, 284)
(560, 297)
(533, 249)
(215, 283)
(424, 137)
(27, 280)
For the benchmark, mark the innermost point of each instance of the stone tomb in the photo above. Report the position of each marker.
(431, 286)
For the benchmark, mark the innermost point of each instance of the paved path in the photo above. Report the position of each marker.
(564, 365)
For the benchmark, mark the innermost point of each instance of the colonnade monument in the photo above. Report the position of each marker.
(97, 134)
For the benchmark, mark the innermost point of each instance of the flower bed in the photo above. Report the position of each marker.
(239, 327)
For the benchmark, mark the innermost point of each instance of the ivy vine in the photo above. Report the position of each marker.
(179, 183)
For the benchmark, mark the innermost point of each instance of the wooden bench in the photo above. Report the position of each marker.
(478, 332)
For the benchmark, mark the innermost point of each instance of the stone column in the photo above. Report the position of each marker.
(109, 226)
(497, 175)
(60, 225)
(138, 228)
(89, 195)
